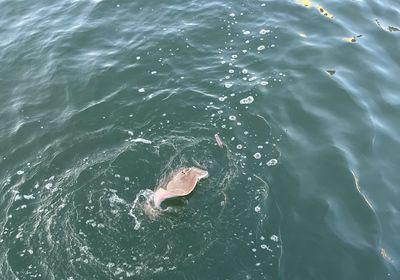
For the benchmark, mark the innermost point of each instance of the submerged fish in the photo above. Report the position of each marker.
(180, 183)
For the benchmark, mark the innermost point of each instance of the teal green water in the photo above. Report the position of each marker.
(100, 100)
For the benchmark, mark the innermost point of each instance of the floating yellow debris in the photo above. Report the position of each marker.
(383, 253)
(306, 3)
(301, 34)
(324, 12)
(349, 39)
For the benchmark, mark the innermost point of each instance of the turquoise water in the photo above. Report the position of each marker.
(102, 99)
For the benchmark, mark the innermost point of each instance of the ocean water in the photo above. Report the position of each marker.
(101, 100)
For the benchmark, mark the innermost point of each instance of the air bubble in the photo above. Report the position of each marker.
(247, 100)
(264, 31)
(274, 238)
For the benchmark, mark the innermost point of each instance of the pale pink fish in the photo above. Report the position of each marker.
(219, 140)
(180, 183)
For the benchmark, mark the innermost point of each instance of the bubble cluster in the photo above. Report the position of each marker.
(247, 100)
(272, 162)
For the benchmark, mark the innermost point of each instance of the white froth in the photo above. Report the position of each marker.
(272, 162)
(257, 155)
(141, 140)
(274, 238)
(247, 100)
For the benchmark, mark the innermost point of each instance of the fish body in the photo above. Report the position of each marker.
(180, 183)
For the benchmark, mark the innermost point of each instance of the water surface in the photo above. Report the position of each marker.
(102, 99)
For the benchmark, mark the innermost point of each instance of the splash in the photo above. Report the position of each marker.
(143, 206)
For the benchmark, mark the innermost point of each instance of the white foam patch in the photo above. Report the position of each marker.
(247, 100)
(141, 140)
(29, 196)
(141, 206)
(272, 162)
(274, 238)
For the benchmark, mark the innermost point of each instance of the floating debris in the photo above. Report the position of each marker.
(305, 3)
(219, 141)
(393, 29)
(324, 12)
(388, 28)
(351, 39)
(331, 72)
